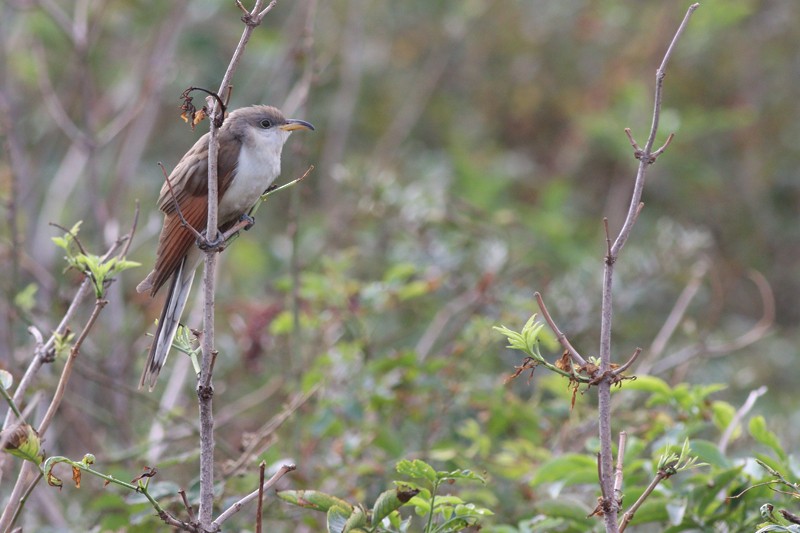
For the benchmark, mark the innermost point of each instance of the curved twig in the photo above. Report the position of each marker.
(560, 336)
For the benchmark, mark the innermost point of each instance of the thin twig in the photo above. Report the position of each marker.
(187, 505)
(720, 349)
(13, 406)
(676, 315)
(265, 432)
(458, 305)
(67, 370)
(608, 237)
(660, 151)
(600, 479)
(647, 150)
(738, 416)
(618, 473)
(619, 370)
(260, 507)
(236, 507)
(562, 339)
(646, 158)
(26, 494)
(53, 102)
(68, 231)
(633, 142)
(132, 232)
(15, 501)
(205, 389)
(266, 9)
(628, 516)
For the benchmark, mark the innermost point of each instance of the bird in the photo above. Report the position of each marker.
(249, 160)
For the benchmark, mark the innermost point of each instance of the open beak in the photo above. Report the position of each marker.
(295, 124)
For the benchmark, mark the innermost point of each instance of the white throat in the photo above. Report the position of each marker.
(258, 166)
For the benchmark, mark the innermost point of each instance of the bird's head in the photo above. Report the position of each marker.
(261, 124)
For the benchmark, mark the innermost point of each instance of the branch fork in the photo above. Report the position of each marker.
(643, 154)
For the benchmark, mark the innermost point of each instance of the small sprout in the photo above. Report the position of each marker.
(670, 463)
(62, 343)
(99, 271)
(526, 340)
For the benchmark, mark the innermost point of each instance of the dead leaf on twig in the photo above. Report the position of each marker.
(528, 362)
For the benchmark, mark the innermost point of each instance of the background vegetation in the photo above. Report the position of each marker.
(465, 155)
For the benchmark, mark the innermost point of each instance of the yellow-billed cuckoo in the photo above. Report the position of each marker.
(249, 160)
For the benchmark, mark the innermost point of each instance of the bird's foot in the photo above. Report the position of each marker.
(217, 245)
(249, 221)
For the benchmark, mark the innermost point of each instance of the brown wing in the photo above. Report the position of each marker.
(188, 188)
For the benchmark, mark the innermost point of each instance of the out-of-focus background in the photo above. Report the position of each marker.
(465, 155)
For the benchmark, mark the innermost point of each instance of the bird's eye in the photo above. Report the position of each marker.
(266, 123)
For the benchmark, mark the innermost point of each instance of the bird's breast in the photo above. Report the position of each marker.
(255, 171)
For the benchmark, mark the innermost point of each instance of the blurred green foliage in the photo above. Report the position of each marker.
(466, 154)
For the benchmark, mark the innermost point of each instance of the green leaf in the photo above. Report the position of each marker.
(124, 264)
(708, 452)
(654, 509)
(569, 469)
(283, 324)
(312, 499)
(61, 242)
(722, 416)
(759, 431)
(574, 511)
(399, 272)
(470, 509)
(515, 340)
(357, 519)
(460, 474)
(6, 379)
(422, 506)
(417, 469)
(336, 519)
(22, 441)
(26, 298)
(413, 289)
(649, 384)
(391, 500)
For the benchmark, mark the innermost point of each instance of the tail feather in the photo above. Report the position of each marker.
(179, 289)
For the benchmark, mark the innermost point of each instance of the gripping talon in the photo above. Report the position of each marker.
(206, 245)
(250, 221)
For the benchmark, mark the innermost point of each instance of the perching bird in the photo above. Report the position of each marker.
(249, 160)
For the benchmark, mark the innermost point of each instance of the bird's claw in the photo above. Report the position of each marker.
(249, 220)
(204, 244)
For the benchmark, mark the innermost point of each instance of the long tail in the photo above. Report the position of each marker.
(178, 293)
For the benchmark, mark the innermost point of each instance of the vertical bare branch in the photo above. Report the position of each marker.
(646, 157)
(205, 387)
